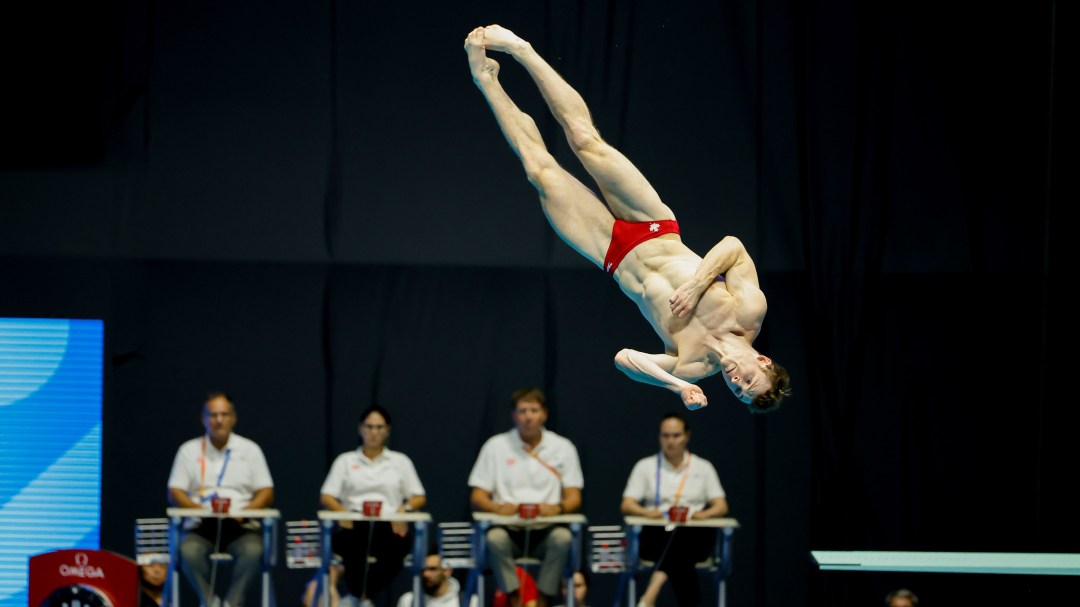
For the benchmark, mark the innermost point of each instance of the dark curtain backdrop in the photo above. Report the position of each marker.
(309, 206)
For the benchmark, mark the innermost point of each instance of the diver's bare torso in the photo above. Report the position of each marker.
(651, 272)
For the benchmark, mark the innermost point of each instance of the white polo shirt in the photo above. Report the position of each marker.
(355, 478)
(505, 469)
(701, 486)
(237, 471)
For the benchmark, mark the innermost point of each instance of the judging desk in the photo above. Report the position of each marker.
(268, 517)
(721, 555)
(420, 522)
(482, 521)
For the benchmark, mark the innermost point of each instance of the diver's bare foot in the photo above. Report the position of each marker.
(481, 66)
(498, 38)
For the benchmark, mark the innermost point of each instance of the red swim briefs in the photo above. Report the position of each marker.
(625, 235)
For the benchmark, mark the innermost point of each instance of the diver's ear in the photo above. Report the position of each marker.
(765, 360)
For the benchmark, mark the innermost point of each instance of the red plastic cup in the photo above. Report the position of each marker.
(372, 508)
(220, 505)
(528, 511)
(677, 514)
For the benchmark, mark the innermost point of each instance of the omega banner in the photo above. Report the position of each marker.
(83, 578)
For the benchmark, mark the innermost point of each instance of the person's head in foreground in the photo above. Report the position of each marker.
(435, 575)
(152, 575)
(581, 588)
(901, 598)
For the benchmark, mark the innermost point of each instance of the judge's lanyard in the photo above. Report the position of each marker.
(202, 469)
(532, 453)
(682, 483)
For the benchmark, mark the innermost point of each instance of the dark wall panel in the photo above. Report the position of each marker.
(238, 131)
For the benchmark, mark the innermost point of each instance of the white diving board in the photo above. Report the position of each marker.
(1016, 563)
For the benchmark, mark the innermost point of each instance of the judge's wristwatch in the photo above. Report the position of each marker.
(407, 507)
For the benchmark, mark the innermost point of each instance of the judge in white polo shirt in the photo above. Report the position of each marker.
(372, 473)
(528, 465)
(221, 463)
(674, 477)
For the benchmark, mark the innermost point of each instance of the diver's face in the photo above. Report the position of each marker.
(747, 376)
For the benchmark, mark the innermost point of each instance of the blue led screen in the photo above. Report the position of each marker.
(50, 442)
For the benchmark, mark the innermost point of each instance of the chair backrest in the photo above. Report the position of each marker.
(151, 540)
(607, 549)
(303, 547)
(456, 545)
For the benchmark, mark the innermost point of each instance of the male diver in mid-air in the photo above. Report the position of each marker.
(708, 311)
